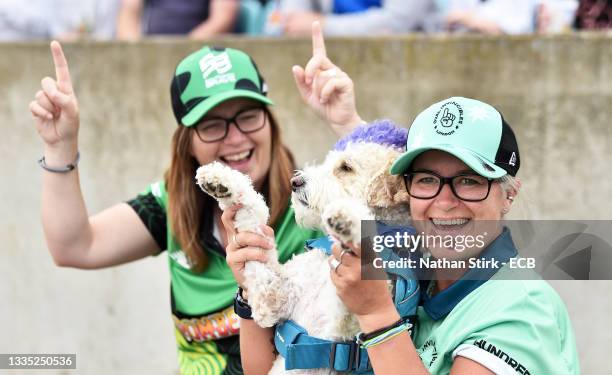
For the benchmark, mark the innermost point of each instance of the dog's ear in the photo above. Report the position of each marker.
(386, 190)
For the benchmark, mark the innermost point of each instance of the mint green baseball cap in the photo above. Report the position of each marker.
(211, 76)
(468, 129)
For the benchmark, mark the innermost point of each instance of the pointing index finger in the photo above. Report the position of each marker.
(62, 74)
(318, 43)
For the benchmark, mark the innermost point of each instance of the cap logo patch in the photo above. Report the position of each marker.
(216, 64)
(512, 161)
(450, 119)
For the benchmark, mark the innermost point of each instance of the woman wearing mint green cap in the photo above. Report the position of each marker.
(460, 170)
(220, 102)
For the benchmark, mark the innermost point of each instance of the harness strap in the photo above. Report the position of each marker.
(302, 351)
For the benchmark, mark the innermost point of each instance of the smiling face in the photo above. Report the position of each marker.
(446, 214)
(248, 153)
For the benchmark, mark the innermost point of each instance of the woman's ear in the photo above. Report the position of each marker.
(512, 193)
(511, 196)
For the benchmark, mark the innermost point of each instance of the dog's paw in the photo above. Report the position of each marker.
(340, 223)
(216, 189)
(220, 181)
(265, 319)
(342, 220)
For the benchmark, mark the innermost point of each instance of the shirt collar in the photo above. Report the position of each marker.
(438, 306)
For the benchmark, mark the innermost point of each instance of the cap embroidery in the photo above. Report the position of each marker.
(450, 120)
(478, 113)
(219, 64)
(512, 161)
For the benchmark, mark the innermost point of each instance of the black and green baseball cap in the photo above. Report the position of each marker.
(211, 76)
(468, 129)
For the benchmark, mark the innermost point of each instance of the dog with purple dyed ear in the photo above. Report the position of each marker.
(313, 326)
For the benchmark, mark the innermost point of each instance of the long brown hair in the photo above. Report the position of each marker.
(188, 205)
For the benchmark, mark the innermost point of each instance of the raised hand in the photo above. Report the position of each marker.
(55, 109)
(326, 88)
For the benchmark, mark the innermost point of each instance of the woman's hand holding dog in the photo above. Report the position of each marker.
(326, 88)
(244, 246)
(370, 300)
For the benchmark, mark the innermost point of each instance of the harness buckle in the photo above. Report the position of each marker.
(353, 359)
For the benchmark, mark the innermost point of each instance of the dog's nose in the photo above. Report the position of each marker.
(297, 182)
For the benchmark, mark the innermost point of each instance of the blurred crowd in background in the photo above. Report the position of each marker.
(203, 19)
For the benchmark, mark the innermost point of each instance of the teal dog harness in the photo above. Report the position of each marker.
(302, 351)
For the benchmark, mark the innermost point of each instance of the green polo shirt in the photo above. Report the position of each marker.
(206, 326)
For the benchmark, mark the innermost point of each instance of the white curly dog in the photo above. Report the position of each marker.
(352, 184)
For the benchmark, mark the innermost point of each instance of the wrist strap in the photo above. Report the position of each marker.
(241, 306)
(66, 169)
(383, 334)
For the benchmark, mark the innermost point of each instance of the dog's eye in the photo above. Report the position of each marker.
(344, 167)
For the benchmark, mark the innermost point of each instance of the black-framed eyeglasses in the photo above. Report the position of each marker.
(465, 186)
(248, 120)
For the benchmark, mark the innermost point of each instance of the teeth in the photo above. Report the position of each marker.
(237, 157)
(449, 221)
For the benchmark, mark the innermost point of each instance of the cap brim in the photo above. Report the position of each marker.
(202, 108)
(476, 162)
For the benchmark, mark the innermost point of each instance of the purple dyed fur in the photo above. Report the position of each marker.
(383, 132)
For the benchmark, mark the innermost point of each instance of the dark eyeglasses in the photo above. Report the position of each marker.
(247, 121)
(465, 186)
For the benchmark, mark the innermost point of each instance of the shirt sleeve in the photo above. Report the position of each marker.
(153, 216)
(527, 335)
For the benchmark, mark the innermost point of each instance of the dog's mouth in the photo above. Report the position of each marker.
(300, 197)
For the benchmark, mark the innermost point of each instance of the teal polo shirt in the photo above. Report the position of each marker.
(508, 324)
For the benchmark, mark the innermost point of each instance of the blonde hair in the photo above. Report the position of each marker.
(522, 208)
(509, 183)
(187, 205)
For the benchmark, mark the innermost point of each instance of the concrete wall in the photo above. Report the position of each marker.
(556, 92)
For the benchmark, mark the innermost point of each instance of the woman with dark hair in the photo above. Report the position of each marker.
(220, 102)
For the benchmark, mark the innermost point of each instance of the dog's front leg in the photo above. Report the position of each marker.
(267, 292)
